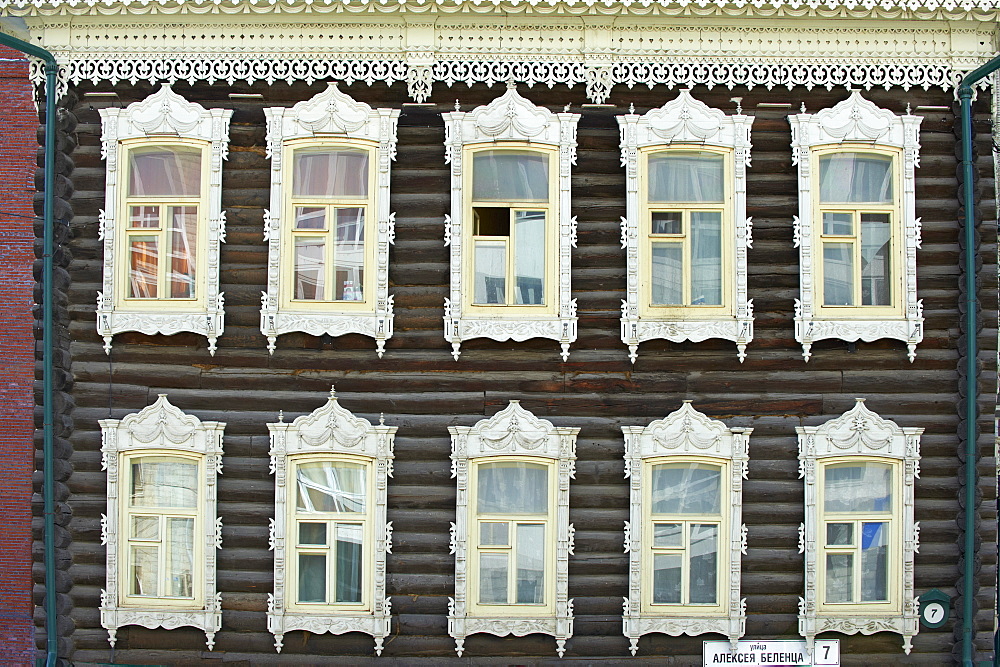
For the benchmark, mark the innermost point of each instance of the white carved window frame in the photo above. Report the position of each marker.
(509, 119)
(687, 435)
(517, 433)
(328, 116)
(686, 123)
(330, 430)
(161, 429)
(857, 124)
(860, 433)
(163, 117)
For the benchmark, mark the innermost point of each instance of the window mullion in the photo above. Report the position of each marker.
(330, 272)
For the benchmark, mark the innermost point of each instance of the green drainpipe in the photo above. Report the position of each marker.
(971, 353)
(48, 199)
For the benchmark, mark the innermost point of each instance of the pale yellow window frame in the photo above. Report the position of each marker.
(127, 512)
(331, 519)
(551, 207)
(475, 548)
(122, 251)
(896, 239)
(646, 210)
(894, 539)
(721, 607)
(329, 236)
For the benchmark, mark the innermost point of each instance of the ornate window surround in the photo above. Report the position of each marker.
(166, 117)
(328, 116)
(330, 430)
(692, 124)
(509, 118)
(517, 433)
(685, 434)
(161, 428)
(857, 123)
(861, 433)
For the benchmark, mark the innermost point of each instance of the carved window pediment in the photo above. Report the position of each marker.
(345, 461)
(146, 222)
(145, 586)
(356, 229)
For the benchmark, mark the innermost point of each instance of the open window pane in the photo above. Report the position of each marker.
(329, 486)
(686, 488)
(144, 217)
(312, 578)
(145, 570)
(330, 173)
(874, 562)
(183, 242)
(706, 258)
(667, 578)
(529, 257)
(163, 483)
(857, 487)
(490, 264)
(839, 578)
(310, 217)
(667, 274)
(143, 261)
(838, 274)
(310, 269)
(349, 539)
(162, 171)
(513, 488)
(180, 557)
(876, 262)
(530, 563)
(704, 574)
(682, 176)
(349, 254)
(493, 533)
(492, 578)
(855, 177)
(510, 176)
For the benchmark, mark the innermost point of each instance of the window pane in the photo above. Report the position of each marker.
(686, 488)
(312, 533)
(490, 271)
(183, 242)
(144, 217)
(330, 173)
(312, 578)
(874, 562)
(858, 487)
(510, 176)
(143, 259)
(838, 224)
(839, 534)
(667, 222)
(678, 176)
(145, 570)
(145, 528)
(493, 578)
(704, 563)
(529, 257)
(331, 487)
(876, 261)
(667, 578)
(161, 483)
(706, 258)
(839, 578)
(855, 177)
(668, 535)
(349, 537)
(349, 254)
(838, 274)
(180, 557)
(530, 563)
(310, 217)
(493, 533)
(310, 267)
(513, 488)
(164, 172)
(668, 274)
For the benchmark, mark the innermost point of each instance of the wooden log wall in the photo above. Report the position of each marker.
(423, 391)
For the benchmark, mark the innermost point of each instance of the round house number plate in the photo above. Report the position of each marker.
(934, 608)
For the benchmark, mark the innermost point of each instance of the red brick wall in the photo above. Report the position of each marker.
(18, 155)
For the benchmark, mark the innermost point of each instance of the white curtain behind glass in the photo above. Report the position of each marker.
(512, 488)
(686, 177)
(508, 176)
(854, 178)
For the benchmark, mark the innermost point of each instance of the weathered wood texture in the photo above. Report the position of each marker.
(422, 390)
